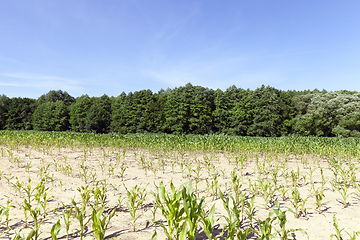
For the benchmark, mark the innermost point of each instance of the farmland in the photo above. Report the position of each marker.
(70, 185)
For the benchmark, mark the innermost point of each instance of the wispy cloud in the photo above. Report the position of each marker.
(215, 73)
(6, 59)
(294, 53)
(40, 81)
(11, 84)
(173, 24)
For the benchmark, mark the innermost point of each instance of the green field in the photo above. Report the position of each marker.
(243, 187)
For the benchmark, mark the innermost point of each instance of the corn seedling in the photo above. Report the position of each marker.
(80, 215)
(296, 201)
(5, 211)
(67, 213)
(99, 194)
(344, 192)
(55, 229)
(42, 196)
(122, 171)
(295, 176)
(338, 230)
(233, 219)
(250, 211)
(319, 196)
(182, 169)
(169, 204)
(209, 223)
(120, 202)
(198, 174)
(281, 216)
(266, 228)
(193, 211)
(335, 166)
(267, 191)
(84, 172)
(303, 208)
(283, 190)
(136, 197)
(99, 222)
(35, 214)
(111, 169)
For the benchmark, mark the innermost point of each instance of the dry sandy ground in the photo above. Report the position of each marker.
(17, 168)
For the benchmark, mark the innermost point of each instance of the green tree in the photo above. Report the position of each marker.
(240, 117)
(18, 116)
(189, 109)
(268, 111)
(328, 114)
(78, 112)
(139, 112)
(98, 117)
(51, 116)
(3, 110)
(54, 96)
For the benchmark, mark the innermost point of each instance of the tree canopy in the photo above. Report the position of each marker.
(189, 109)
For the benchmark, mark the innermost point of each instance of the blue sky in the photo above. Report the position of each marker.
(110, 46)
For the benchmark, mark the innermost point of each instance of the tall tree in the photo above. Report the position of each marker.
(78, 112)
(51, 116)
(98, 117)
(3, 110)
(188, 109)
(18, 116)
(53, 96)
(267, 111)
(238, 105)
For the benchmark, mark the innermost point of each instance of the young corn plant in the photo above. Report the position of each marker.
(319, 197)
(208, 221)
(55, 229)
(236, 186)
(5, 211)
(267, 191)
(169, 202)
(111, 169)
(136, 197)
(193, 210)
(84, 172)
(67, 213)
(295, 176)
(100, 196)
(343, 189)
(281, 217)
(80, 215)
(296, 201)
(233, 219)
(335, 167)
(99, 222)
(35, 214)
(303, 210)
(42, 196)
(250, 211)
(213, 186)
(198, 174)
(266, 228)
(122, 171)
(338, 230)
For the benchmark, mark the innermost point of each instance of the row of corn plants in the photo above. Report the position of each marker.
(242, 191)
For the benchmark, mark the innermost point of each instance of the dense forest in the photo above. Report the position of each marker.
(189, 109)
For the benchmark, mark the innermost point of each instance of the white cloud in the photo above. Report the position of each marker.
(40, 81)
(11, 84)
(6, 59)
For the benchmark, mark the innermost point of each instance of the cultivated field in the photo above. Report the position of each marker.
(87, 186)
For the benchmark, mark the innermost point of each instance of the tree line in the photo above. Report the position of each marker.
(189, 109)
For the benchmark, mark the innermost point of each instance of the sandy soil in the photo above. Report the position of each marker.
(104, 166)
